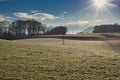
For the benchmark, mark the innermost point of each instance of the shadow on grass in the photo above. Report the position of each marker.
(88, 37)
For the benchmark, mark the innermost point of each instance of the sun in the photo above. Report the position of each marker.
(100, 3)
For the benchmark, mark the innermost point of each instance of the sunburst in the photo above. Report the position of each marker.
(100, 3)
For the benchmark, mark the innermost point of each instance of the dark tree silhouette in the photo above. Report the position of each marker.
(57, 30)
(21, 28)
(107, 28)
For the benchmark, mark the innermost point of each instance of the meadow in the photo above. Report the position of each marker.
(48, 59)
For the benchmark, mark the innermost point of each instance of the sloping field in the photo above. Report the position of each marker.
(48, 59)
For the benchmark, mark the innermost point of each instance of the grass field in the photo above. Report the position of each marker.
(48, 59)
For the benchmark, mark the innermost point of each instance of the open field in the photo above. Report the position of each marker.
(48, 59)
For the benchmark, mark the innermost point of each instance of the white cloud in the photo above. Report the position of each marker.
(87, 22)
(65, 12)
(4, 18)
(38, 16)
(81, 22)
(111, 5)
(99, 20)
(35, 11)
(62, 17)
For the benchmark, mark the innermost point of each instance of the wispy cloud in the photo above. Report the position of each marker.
(99, 20)
(111, 5)
(35, 15)
(65, 12)
(35, 11)
(4, 18)
(81, 22)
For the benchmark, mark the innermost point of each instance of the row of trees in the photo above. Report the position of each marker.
(23, 29)
(107, 28)
(57, 31)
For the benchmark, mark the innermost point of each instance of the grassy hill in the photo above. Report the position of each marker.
(48, 59)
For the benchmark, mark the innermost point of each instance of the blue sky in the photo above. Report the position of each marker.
(61, 12)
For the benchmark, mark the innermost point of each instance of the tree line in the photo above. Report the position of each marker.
(27, 28)
(113, 28)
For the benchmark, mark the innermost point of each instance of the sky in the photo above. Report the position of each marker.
(62, 12)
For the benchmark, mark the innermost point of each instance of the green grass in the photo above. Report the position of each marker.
(48, 59)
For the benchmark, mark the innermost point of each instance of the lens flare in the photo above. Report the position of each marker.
(100, 3)
(101, 8)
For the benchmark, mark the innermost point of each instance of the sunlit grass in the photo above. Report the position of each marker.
(48, 59)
